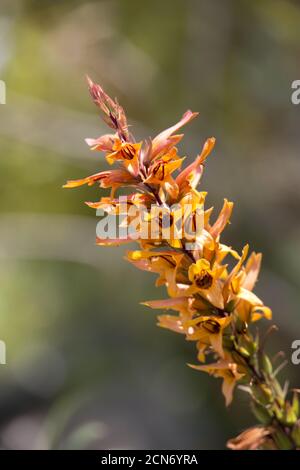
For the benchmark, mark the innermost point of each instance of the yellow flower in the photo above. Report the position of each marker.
(228, 371)
(128, 153)
(206, 282)
(257, 310)
(162, 262)
(161, 169)
(238, 289)
(161, 225)
(208, 330)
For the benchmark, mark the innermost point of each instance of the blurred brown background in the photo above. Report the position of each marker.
(86, 365)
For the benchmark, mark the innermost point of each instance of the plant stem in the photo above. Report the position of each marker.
(267, 396)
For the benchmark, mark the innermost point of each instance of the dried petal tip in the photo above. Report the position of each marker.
(251, 439)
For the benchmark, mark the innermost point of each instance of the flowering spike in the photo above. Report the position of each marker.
(214, 305)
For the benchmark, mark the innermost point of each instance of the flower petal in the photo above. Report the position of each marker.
(252, 270)
(191, 175)
(162, 140)
(222, 219)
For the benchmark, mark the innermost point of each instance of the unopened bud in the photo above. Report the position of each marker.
(295, 404)
(261, 413)
(289, 416)
(267, 365)
(244, 352)
(263, 394)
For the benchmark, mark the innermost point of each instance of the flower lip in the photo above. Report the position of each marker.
(212, 326)
(203, 280)
(128, 152)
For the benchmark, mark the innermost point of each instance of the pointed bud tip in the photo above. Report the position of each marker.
(89, 81)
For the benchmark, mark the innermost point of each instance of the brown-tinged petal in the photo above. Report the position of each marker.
(171, 322)
(235, 270)
(222, 219)
(106, 179)
(225, 369)
(191, 175)
(251, 439)
(90, 180)
(252, 269)
(177, 304)
(104, 143)
(162, 140)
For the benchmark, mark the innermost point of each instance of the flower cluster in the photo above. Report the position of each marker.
(209, 284)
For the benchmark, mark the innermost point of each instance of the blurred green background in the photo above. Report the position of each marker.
(86, 365)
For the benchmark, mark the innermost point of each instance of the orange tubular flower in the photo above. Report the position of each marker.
(126, 152)
(208, 330)
(214, 301)
(206, 282)
(161, 169)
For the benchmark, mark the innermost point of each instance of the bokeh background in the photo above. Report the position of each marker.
(86, 365)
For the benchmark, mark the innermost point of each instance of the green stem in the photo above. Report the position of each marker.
(268, 402)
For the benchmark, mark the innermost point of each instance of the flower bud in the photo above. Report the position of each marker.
(261, 413)
(289, 416)
(263, 394)
(295, 404)
(267, 365)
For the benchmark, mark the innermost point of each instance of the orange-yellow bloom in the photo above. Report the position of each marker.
(208, 330)
(207, 282)
(228, 371)
(160, 172)
(161, 262)
(127, 153)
